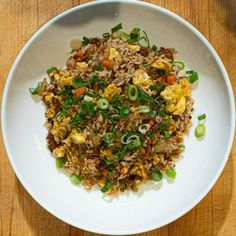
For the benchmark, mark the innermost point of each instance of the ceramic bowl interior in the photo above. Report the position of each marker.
(155, 204)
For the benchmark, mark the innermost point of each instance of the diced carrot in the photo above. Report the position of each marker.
(79, 54)
(171, 79)
(152, 122)
(106, 63)
(80, 91)
(162, 79)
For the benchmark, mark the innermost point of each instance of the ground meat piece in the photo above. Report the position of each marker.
(167, 53)
(144, 52)
(51, 142)
(95, 41)
(71, 63)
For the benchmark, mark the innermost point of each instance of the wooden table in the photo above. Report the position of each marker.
(22, 216)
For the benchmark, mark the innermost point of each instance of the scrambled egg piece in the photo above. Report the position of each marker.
(135, 48)
(111, 90)
(141, 79)
(48, 98)
(50, 114)
(76, 137)
(59, 151)
(177, 93)
(63, 82)
(162, 64)
(113, 54)
(82, 66)
(59, 131)
(139, 170)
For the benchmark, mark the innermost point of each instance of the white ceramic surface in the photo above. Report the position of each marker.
(24, 133)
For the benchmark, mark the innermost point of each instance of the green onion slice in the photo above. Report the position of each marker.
(50, 70)
(107, 186)
(202, 117)
(200, 130)
(75, 179)
(116, 28)
(143, 129)
(143, 109)
(60, 163)
(103, 103)
(171, 173)
(179, 64)
(132, 92)
(156, 175)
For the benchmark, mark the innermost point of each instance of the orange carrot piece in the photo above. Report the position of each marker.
(171, 79)
(80, 54)
(80, 91)
(106, 63)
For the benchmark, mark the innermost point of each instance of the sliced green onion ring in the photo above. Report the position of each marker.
(171, 173)
(103, 103)
(132, 92)
(143, 109)
(144, 128)
(132, 138)
(179, 64)
(202, 117)
(200, 130)
(75, 179)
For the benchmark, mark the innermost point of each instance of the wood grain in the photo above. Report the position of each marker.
(21, 215)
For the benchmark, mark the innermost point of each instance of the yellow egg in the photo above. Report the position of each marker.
(113, 54)
(135, 48)
(76, 137)
(142, 79)
(63, 82)
(177, 94)
(82, 66)
(110, 91)
(59, 151)
(162, 64)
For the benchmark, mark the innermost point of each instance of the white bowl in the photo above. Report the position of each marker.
(24, 132)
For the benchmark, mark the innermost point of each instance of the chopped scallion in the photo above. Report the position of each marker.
(75, 179)
(116, 28)
(202, 117)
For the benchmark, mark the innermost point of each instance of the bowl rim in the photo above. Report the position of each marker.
(230, 138)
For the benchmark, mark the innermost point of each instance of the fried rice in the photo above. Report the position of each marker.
(117, 112)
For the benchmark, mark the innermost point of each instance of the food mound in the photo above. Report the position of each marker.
(118, 111)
